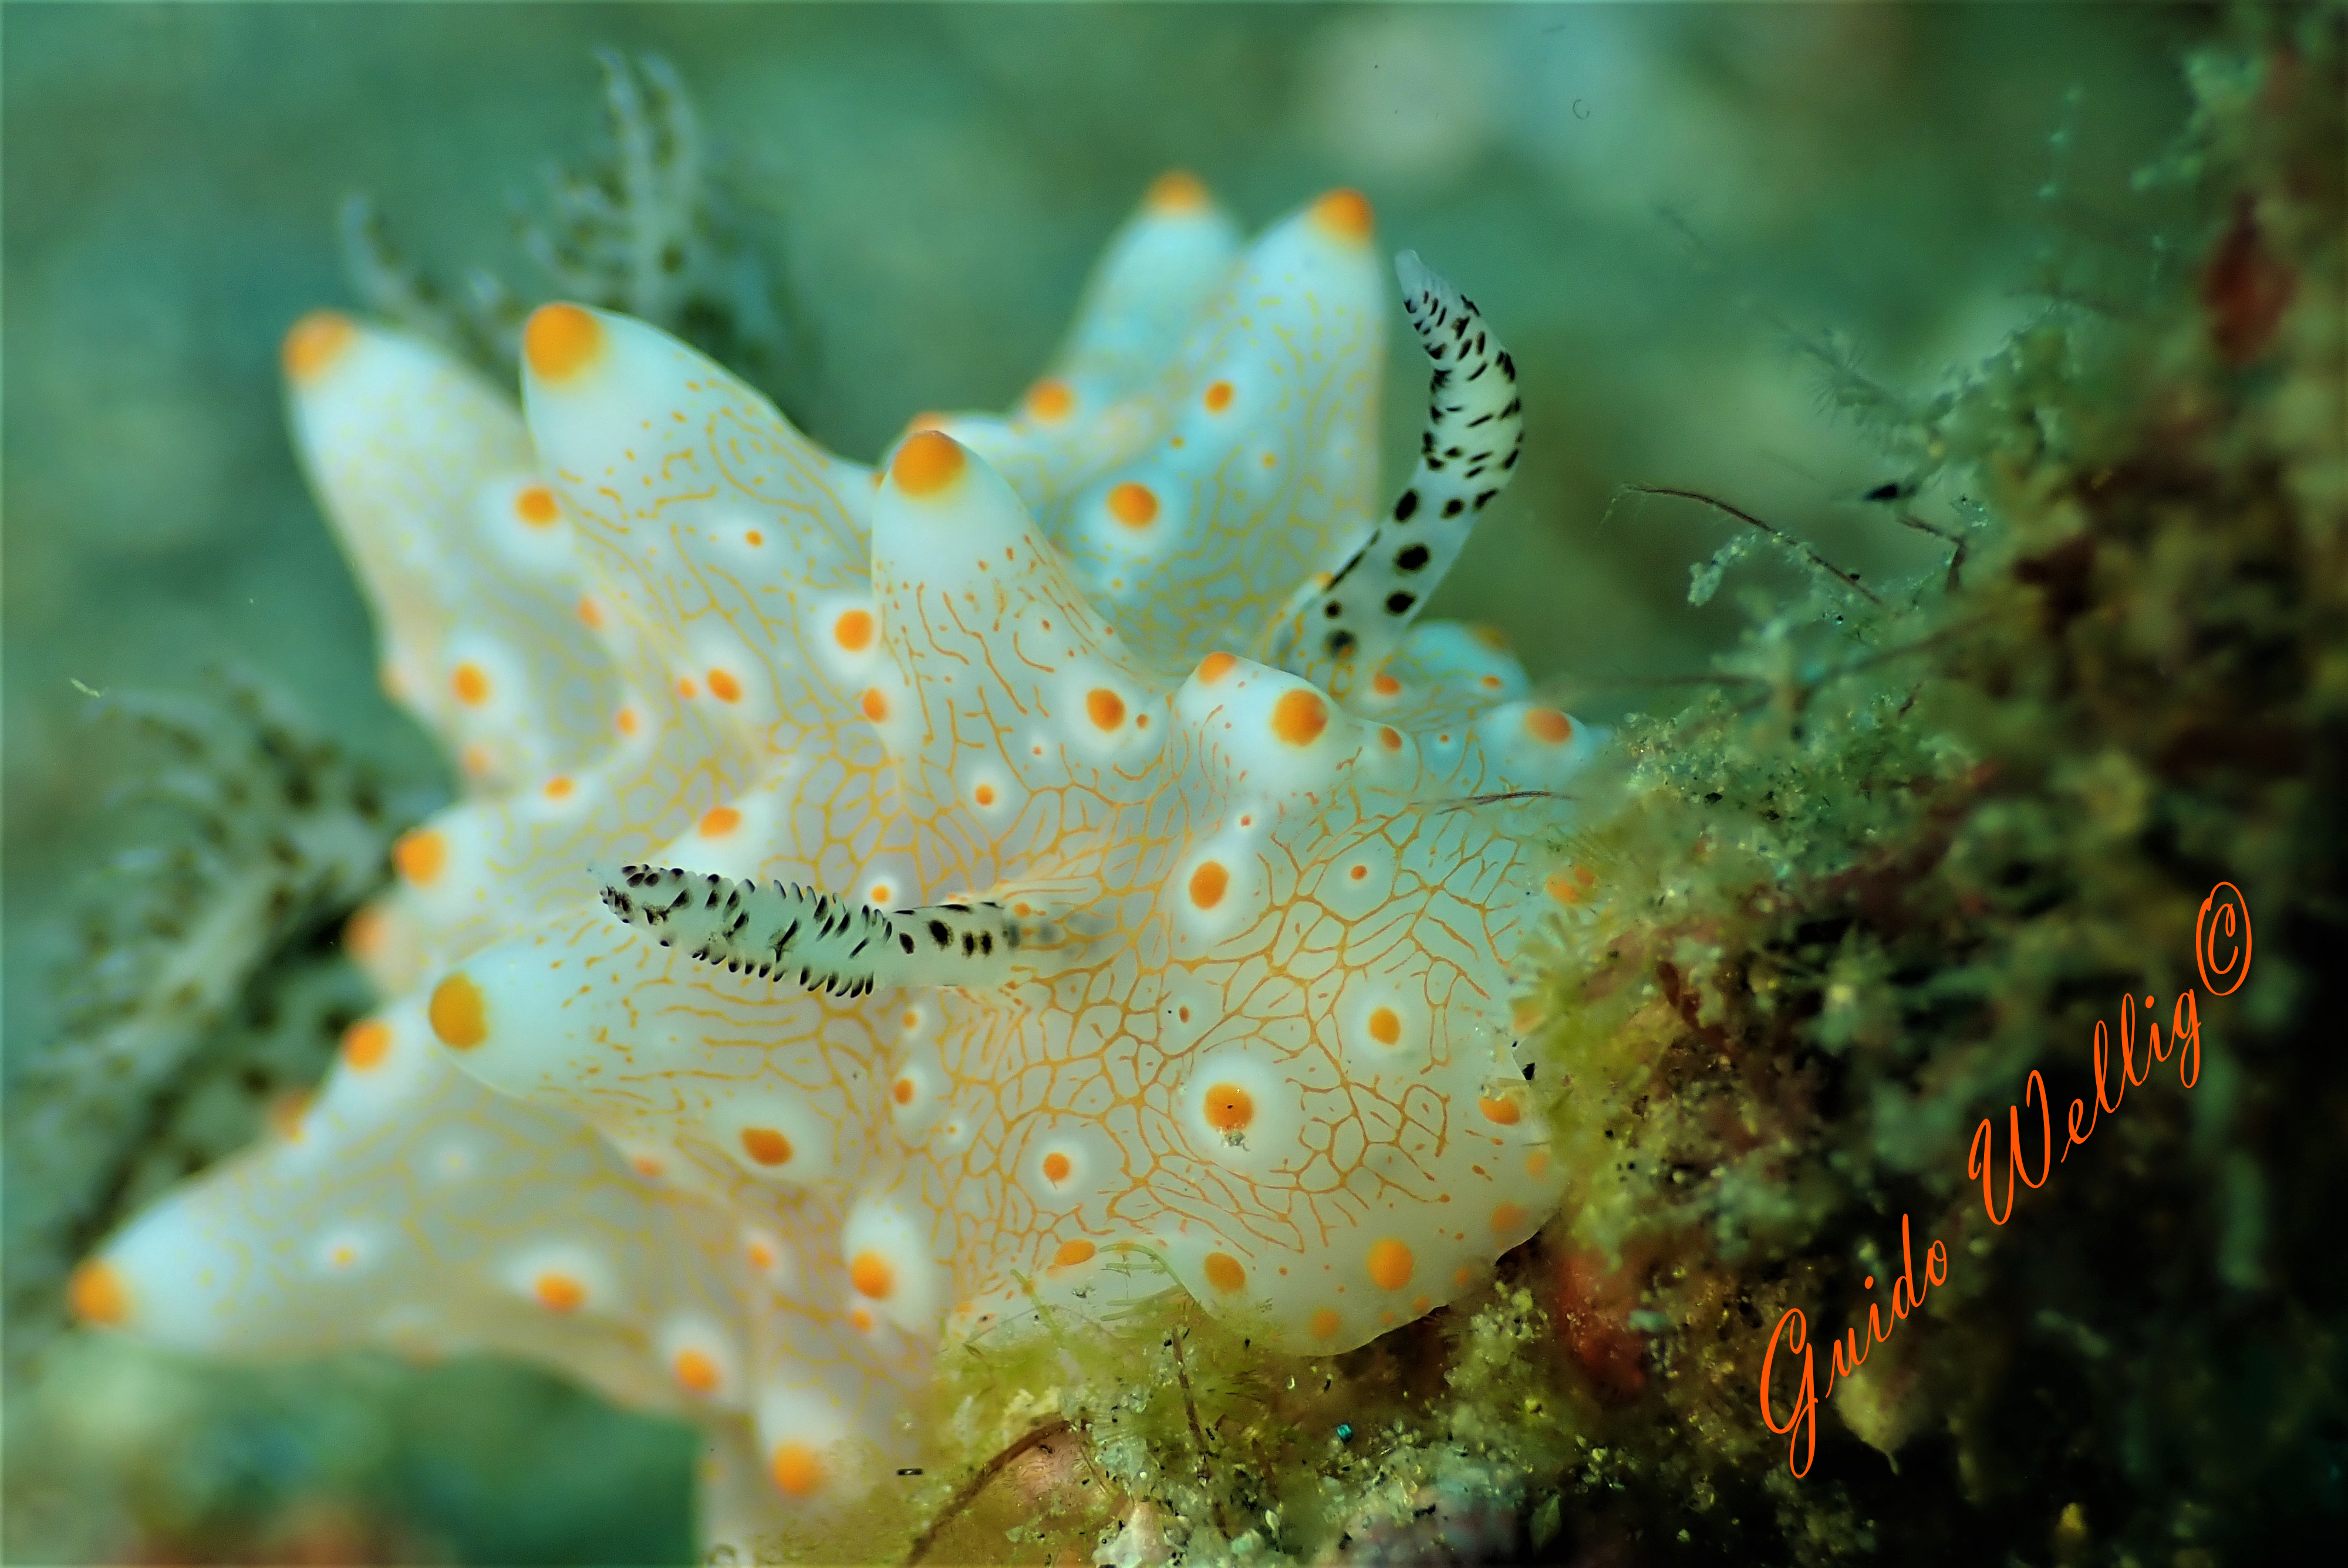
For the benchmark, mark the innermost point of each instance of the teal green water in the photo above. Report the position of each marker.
(1641, 197)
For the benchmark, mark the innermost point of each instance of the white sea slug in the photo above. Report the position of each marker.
(1055, 868)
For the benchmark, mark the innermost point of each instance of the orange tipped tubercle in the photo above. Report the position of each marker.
(927, 463)
(313, 344)
(96, 1293)
(560, 340)
(1176, 190)
(1346, 213)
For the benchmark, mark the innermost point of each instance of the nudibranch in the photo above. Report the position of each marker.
(1057, 867)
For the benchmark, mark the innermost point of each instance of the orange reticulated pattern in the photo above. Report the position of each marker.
(1258, 1047)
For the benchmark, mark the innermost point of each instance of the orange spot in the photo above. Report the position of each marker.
(1389, 737)
(1299, 717)
(860, 1320)
(1385, 685)
(1208, 883)
(1272, 459)
(1491, 683)
(560, 1292)
(98, 1295)
(470, 683)
(366, 1043)
(685, 687)
(1502, 1110)
(853, 630)
(983, 794)
(559, 787)
(1358, 872)
(878, 897)
(421, 855)
(1217, 397)
(724, 687)
(1176, 190)
(903, 1091)
(1548, 724)
(1346, 213)
(591, 614)
(718, 821)
(285, 1113)
(1563, 888)
(1214, 666)
(871, 1276)
(1507, 1217)
(1421, 1303)
(1322, 1325)
(696, 1371)
(1057, 1168)
(646, 1166)
(315, 343)
(1049, 399)
(1230, 1108)
(797, 1470)
(760, 1254)
(1489, 636)
(1105, 708)
(1072, 1252)
(560, 340)
(1462, 1276)
(1224, 1273)
(626, 720)
(875, 705)
(1385, 1027)
(536, 507)
(927, 463)
(766, 1145)
(1135, 506)
(1537, 1163)
(1390, 1265)
(365, 934)
(753, 537)
(457, 1013)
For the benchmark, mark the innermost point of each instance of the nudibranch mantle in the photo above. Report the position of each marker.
(1055, 868)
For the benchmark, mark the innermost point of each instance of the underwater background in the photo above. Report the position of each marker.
(1688, 220)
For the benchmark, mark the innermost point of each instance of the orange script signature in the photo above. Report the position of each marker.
(2222, 953)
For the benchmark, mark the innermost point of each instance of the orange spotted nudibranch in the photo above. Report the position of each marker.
(1058, 866)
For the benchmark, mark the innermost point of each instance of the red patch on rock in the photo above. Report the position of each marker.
(2244, 287)
(1593, 1309)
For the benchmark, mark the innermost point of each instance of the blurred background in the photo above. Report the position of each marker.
(1666, 208)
